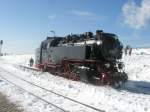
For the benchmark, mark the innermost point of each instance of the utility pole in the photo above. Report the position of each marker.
(1, 43)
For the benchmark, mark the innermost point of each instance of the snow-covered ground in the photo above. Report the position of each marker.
(18, 59)
(134, 97)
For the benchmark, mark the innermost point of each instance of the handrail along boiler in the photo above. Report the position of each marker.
(85, 57)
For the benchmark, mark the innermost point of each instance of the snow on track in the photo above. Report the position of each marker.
(33, 89)
(4, 79)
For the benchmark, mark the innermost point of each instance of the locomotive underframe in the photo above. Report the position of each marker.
(91, 71)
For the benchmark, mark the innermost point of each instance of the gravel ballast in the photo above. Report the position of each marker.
(7, 106)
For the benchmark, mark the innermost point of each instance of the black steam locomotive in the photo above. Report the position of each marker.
(85, 57)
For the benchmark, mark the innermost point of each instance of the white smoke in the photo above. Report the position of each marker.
(136, 16)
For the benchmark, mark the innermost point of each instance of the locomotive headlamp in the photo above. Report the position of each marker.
(99, 42)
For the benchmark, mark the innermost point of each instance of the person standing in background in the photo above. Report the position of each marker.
(31, 62)
(130, 51)
(126, 49)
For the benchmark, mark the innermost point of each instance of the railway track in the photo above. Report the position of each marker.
(76, 103)
(29, 68)
(33, 94)
(137, 88)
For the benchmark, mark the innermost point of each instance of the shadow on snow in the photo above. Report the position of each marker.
(139, 87)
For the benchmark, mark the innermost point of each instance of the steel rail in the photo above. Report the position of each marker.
(86, 105)
(33, 94)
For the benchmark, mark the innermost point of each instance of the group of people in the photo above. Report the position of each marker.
(128, 50)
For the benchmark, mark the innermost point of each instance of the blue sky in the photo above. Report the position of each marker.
(25, 23)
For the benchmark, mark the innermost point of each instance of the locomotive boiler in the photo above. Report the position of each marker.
(86, 57)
